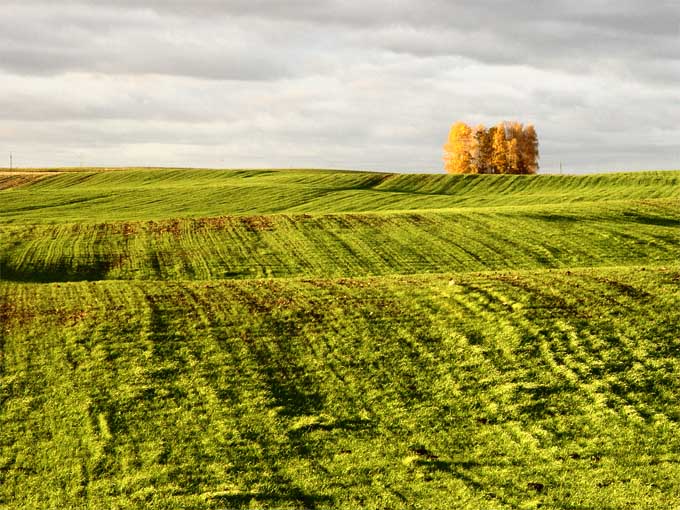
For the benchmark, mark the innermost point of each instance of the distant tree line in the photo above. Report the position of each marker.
(507, 148)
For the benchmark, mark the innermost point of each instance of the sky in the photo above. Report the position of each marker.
(372, 84)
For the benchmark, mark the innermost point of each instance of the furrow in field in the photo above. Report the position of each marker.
(341, 245)
(301, 392)
(243, 364)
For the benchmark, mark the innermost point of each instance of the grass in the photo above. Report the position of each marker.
(124, 195)
(468, 391)
(468, 343)
(341, 245)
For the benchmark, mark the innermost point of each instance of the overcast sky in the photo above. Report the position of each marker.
(372, 84)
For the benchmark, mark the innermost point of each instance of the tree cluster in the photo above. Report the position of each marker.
(507, 148)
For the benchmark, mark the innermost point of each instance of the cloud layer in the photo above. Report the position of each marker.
(328, 83)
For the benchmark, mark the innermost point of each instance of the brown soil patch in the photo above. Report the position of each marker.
(15, 180)
(26, 172)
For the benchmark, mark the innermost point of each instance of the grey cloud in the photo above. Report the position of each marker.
(281, 39)
(618, 15)
(54, 41)
(336, 83)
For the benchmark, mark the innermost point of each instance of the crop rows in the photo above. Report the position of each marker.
(313, 339)
(464, 391)
(345, 245)
(90, 197)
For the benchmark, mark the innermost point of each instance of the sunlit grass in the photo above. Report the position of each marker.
(87, 197)
(313, 339)
(337, 245)
(459, 391)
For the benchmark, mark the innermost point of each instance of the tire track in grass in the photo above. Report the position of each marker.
(599, 391)
(569, 351)
(556, 342)
(167, 387)
(308, 425)
(403, 417)
(427, 453)
(109, 369)
(531, 440)
(177, 380)
(524, 392)
(505, 448)
(60, 417)
(259, 386)
(632, 393)
(491, 406)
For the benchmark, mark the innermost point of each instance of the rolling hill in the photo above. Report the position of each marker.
(179, 338)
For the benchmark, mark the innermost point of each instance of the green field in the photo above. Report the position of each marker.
(319, 339)
(149, 194)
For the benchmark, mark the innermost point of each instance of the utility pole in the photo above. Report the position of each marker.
(560, 168)
(10, 161)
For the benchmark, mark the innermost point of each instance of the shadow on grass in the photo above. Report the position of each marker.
(291, 386)
(646, 219)
(348, 425)
(288, 499)
(463, 470)
(553, 218)
(61, 271)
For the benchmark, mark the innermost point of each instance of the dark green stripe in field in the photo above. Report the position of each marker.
(346, 245)
(505, 390)
(161, 194)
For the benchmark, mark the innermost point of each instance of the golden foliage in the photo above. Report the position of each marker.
(513, 158)
(508, 147)
(457, 158)
(499, 151)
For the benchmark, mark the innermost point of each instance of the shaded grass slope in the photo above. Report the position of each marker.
(500, 390)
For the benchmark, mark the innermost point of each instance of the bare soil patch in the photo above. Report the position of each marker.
(28, 172)
(20, 178)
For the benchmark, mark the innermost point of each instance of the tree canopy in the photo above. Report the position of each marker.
(507, 148)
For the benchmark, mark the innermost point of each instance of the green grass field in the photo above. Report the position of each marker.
(314, 339)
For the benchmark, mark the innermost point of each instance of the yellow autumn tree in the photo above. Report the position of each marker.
(514, 161)
(514, 139)
(481, 150)
(457, 157)
(528, 149)
(508, 147)
(499, 150)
